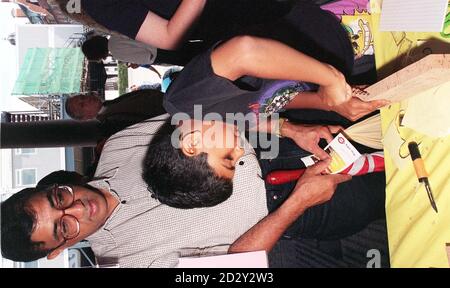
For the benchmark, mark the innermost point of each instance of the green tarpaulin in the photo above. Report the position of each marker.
(50, 71)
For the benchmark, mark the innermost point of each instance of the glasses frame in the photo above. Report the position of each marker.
(70, 189)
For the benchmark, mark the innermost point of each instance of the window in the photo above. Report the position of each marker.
(26, 177)
(25, 151)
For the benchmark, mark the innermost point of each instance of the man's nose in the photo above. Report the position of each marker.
(77, 209)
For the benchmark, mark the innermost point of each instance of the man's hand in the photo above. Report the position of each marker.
(356, 108)
(308, 136)
(313, 188)
(337, 91)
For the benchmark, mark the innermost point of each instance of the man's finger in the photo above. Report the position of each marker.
(348, 94)
(372, 105)
(325, 133)
(376, 104)
(334, 129)
(317, 151)
(319, 167)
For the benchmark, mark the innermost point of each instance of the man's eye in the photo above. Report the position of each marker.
(64, 228)
(59, 198)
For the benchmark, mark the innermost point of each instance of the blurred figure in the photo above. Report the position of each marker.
(187, 27)
(118, 113)
(123, 49)
(168, 77)
(142, 103)
(152, 86)
(83, 106)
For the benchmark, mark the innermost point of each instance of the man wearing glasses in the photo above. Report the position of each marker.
(60, 216)
(118, 216)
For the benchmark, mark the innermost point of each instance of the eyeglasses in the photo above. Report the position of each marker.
(62, 197)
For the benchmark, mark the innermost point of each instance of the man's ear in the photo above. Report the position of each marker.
(56, 252)
(190, 143)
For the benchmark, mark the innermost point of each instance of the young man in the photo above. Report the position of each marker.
(126, 226)
(42, 221)
(173, 176)
(134, 230)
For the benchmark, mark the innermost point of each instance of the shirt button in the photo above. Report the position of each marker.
(241, 163)
(275, 197)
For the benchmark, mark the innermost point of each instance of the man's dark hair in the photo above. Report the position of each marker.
(63, 177)
(95, 48)
(17, 222)
(178, 180)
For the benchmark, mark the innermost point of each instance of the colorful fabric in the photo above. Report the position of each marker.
(347, 7)
(355, 18)
(367, 163)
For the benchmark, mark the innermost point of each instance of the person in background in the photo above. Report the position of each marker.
(142, 103)
(153, 86)
(116, 114)
(98, 48)
(168, 77)
(186, 27)
(135, 53)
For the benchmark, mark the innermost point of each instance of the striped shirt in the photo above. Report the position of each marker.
(141, 232)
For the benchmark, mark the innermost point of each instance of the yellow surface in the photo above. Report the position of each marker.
(417, 235)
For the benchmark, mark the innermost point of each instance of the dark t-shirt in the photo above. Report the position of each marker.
(127, 16)
(220, 18)
(198, 84)
(307, 28)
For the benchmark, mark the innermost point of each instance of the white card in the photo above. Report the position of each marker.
(413, 15)
(342, 153)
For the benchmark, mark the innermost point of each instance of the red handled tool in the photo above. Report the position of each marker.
(279, 177)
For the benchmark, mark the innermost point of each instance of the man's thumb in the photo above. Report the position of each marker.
(319, 167)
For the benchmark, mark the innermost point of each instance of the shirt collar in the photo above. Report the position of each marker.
(103, 184)
(248, 149)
